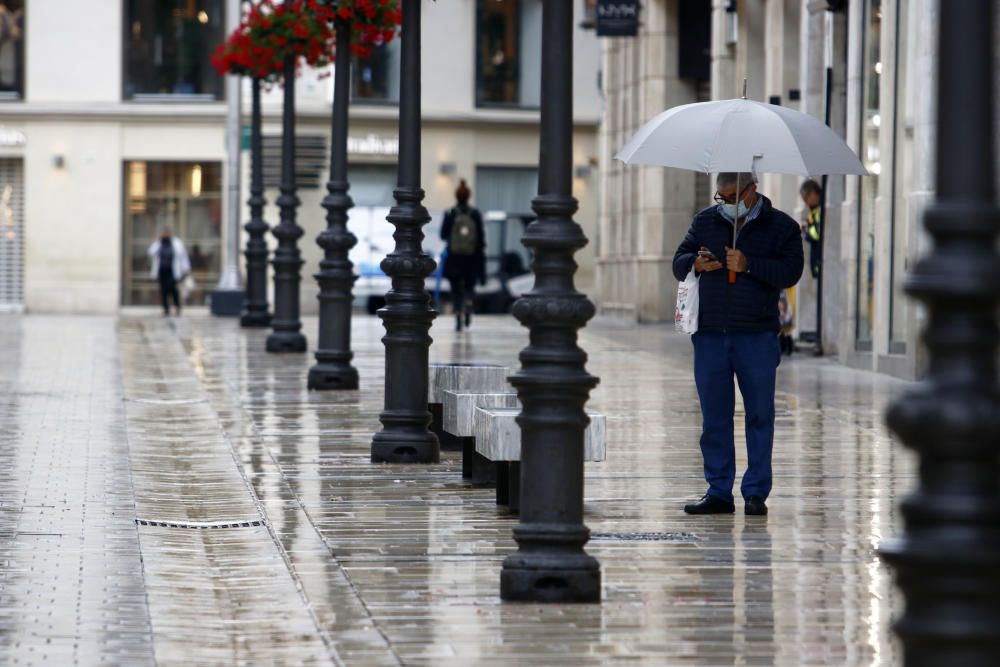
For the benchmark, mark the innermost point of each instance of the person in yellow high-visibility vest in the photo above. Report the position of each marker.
(812, 196)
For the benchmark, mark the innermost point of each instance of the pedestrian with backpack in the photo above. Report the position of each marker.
(465, 260)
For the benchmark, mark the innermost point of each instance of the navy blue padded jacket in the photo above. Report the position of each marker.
(772, 243)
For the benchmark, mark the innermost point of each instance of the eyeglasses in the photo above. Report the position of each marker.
(719, 199)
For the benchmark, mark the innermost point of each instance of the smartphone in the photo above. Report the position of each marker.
(708, 253)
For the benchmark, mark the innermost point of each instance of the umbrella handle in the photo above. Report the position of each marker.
(732, 277)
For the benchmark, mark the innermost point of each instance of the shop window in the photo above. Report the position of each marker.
(508, 52)
(184, 197)
(376, 79)
(871, 114)
(11, 49)
(504, 196)
(168, 44)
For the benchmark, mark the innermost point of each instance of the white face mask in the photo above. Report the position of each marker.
(730, 210)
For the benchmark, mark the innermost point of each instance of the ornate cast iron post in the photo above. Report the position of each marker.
(255, 305)
(553, 384)
(407, 315)
(333, 368)
(947, 561)
(287, 335)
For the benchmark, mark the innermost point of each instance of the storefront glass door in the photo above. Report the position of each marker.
(184, 197)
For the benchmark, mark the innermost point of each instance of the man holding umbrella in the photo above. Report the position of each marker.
(762, 251)
(745, 252)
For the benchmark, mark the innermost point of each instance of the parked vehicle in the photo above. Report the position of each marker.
(375, 242)
(506, 258)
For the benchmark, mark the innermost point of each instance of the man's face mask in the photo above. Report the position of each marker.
(735, 209)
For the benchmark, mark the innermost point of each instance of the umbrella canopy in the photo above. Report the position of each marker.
(740, 135)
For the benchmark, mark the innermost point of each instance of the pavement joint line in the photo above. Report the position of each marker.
(166, 401)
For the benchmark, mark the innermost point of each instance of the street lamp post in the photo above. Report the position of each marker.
(947, 561)
(407, 315)
(287, 335)
(333, 368)
(553, 384)
(255, 305)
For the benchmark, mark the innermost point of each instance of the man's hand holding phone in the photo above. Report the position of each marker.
(706, 261)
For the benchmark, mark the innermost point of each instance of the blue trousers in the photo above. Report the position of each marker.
(753, 359)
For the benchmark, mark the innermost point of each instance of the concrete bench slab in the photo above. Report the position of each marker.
(470, 378)
(498, 437)
(460, 409)
(462, 377)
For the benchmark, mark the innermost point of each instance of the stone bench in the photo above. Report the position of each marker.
(498, 439)
(464, 378)
(458, 413)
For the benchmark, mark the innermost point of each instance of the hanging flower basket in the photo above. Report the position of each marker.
(305, 29)
(373, 22)
(270, 32)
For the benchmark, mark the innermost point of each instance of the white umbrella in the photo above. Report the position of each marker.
(740, 135)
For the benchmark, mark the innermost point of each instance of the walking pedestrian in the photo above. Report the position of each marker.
(465, 260)
(812, 196)
(170, 265)
(738, 327)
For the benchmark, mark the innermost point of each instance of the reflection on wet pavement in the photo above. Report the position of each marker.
(334, 560)
(423, 551)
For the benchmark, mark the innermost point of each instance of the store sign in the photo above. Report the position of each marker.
(9, 137)
(372, 145)
(617, 18)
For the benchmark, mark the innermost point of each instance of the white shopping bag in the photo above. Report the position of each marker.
(686, 314)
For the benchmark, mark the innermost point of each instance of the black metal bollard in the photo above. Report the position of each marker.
(336, 277)
(255, 306)
(407, 315)
(553, 384)
(287, 328)
(947, 561)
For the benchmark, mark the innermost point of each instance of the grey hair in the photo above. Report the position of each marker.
(729, 178)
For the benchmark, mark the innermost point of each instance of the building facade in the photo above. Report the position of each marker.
(882, 101)
(112, 127)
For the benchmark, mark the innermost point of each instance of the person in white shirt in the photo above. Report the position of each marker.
(170, 264)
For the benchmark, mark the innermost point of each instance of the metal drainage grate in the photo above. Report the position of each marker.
(168, 401)
(644, 537)
(199, 525)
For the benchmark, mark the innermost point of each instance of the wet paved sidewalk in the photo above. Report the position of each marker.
(174, 495)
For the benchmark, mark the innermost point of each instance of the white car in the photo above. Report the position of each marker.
(506, 259)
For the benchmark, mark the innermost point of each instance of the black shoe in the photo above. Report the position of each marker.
(710, 505)
(755, 506)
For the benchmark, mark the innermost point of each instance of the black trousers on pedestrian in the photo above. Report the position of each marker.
(463, 289)
(168, 288)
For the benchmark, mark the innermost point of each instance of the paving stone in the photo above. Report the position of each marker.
(422, 551)
(187, 424)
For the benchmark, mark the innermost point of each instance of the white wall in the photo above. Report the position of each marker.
(448, 39)
(73, 217)
(73, 51)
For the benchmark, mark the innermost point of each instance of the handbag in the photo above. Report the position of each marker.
(686, 312)
(188, 286)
